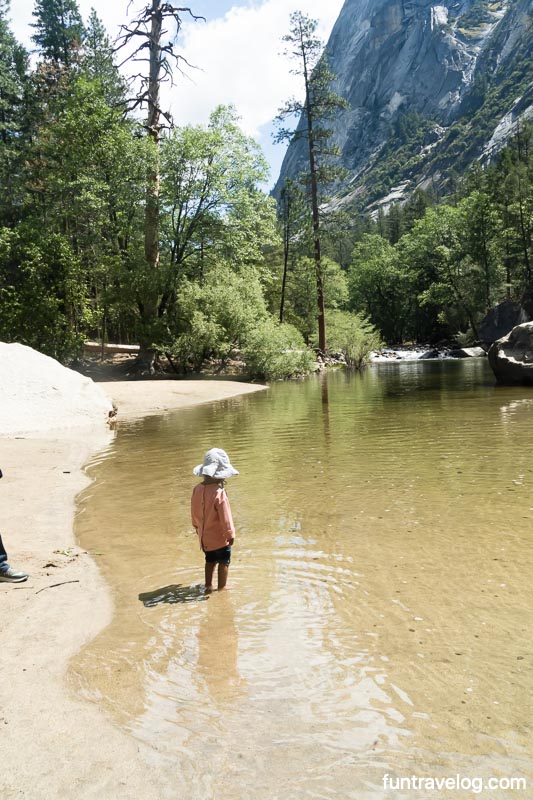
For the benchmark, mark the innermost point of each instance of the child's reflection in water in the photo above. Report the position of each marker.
(218, 645)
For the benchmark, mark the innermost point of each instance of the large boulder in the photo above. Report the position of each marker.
(501, 320)
(511, 357)
(39, 394)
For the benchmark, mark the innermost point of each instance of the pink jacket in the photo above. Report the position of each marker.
(211, 516)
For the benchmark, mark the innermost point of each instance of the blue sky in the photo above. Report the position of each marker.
(237, 52)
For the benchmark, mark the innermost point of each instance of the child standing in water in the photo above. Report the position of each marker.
(211, 515)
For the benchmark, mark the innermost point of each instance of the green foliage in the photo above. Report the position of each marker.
(13, 77)
(301, 293)
(408, 126)
(340, 232)
(215, 316)
(276, 351)
(319, 103)
(74, 167)
(200, 336)
(98, 61)
(401, 155)
(379, 287)
(74, 171)
(41, 293)
(225, 314)
(432, 271)
(210, 194)
(479, 14)
(454, 256)
(352, 335)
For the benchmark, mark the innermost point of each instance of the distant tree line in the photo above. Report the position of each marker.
(432, 268)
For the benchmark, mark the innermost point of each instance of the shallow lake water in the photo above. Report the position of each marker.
(379, 612)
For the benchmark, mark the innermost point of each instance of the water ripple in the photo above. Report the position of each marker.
(376, 612)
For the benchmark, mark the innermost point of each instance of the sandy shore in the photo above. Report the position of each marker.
(52, 745)
(138, 398)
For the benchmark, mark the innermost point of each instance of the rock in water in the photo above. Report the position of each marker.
(468, 352)
(511, 357)
(38, 394)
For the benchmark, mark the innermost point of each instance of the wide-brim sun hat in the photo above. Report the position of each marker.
(216, 464)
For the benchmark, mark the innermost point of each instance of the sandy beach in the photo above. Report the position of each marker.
(53, 745)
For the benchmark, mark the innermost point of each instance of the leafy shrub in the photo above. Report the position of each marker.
(215, 316)
(274, 352)
(191, 348)
(353, 335)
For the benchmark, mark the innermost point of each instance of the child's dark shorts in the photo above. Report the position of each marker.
(220, 556)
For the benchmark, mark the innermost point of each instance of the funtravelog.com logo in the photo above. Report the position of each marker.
(458, 783)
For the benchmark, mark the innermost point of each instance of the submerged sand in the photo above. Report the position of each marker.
(52, 745)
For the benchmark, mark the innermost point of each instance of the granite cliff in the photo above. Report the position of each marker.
(430, 87)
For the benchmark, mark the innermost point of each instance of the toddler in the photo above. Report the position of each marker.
(211, 515)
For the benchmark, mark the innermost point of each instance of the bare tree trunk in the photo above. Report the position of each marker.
(316, 243)
(148, 26)
(149, 310)
(315, 212)
(286, 245)
(153, 125)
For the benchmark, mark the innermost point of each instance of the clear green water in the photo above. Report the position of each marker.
(379, 613)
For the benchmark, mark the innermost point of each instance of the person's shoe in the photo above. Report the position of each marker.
(12, 576)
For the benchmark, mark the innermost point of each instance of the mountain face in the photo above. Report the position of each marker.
(430, 89)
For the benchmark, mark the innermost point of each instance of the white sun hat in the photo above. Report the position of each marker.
(216, 464)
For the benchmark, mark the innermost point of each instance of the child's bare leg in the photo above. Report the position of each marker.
(209, 569)
(222, 575)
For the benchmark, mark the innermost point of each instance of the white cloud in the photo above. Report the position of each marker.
(241, 61)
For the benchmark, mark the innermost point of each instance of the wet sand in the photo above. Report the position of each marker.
(52, 744)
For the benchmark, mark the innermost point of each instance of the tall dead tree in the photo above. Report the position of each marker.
(147, 35)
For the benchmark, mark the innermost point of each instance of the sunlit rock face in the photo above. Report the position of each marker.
(393, 58)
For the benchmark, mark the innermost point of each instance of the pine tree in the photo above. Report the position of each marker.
(98, 61)
(13, 71)
(319, 104)
(59, 30)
